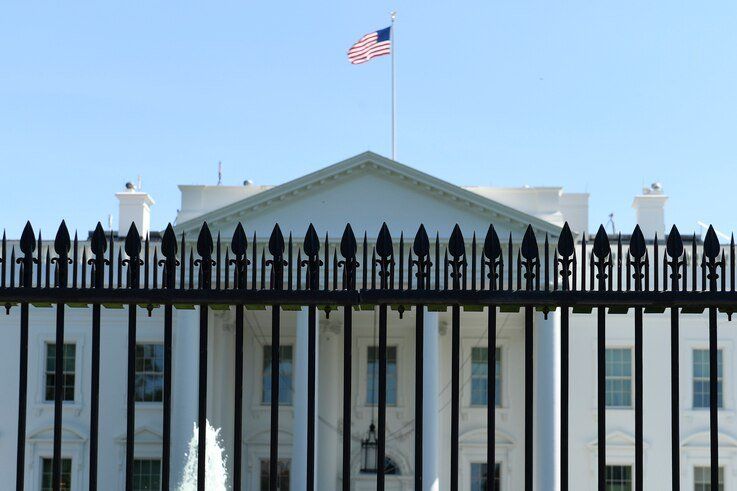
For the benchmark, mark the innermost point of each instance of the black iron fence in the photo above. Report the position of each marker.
(567, 274)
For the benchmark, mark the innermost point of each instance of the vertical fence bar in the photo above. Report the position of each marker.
(600, 260)
(205, 248)
(381, 447)
(58, 394)
(713, 396)
(528, 399)
(347, 369)
(166, 436)
(491, 399)
(94, 395)
(238, 377)
(709, 262)
(168, 279)
(98, 246)
(311, 392)
(133, 250)
(674, 404)
(421, 248)
(22, 398)
(61, 247)
(564, 396)
(419, 380)
(202, 399)
(455, 395)
(566, 250)
(529, 251)
(674, 249)
(274, 435)
(601, 396)
(27, 246)
(639, 366)
(130, 398)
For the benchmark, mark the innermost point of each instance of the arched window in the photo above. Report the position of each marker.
(390, 467)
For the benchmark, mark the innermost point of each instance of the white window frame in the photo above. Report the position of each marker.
(151, 404)
(728, 407)
(258, 384)
(365, 375)
(405, 361)
(474, 453)
(470, 340)
(631, 349)
(70, 336)
(41, 446)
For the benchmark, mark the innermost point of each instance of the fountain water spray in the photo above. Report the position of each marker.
(216, 475)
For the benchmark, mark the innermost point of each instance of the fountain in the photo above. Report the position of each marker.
(216, 475)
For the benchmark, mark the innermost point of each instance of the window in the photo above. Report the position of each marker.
(701, 379)
(146, 474)
(478, 476)
(282, 482)
(372, 377)
(619, 478)
(47, 473)
(618, 377)
(702, 479)
(285, 375)
(69, 360)
(480, 376)
(149, 372)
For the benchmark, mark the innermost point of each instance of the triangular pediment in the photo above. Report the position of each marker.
(703, 440)
(367, 190)
(46, 434)
(617, 439)
(143, 435)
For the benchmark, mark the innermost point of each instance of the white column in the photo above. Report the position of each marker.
(430, 367)
(547, 401)
(330, 393)
(299, 427)
(185, 369)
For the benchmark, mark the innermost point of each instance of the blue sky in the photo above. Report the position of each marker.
(593, 96)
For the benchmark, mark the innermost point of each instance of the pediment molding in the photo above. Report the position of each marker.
(368, 162)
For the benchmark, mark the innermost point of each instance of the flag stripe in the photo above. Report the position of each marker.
(368, 48)
(385, 48)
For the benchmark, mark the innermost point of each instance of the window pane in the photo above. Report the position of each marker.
(372, 376)
(282, 483)
(702, 479)
(149, 383)
(619, 478)
(146, 474)
(68, 366)
(480, 376)
(478, 476)
(700, 370)
(286, 367)
(618, 377)
(47, 474)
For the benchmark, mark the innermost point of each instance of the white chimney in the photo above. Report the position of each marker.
(650, 208)
(135, 206)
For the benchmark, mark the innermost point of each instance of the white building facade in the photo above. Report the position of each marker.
(366, 191)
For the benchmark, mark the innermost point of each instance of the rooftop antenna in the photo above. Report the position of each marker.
(705, 226)
(139, 183)
(220, 173)
(611, 220)
(110, 221)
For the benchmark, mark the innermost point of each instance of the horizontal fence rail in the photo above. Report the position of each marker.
(612, 274)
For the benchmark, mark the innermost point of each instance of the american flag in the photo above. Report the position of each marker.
(373, 44)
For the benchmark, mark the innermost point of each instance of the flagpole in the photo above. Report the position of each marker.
(394, 98)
